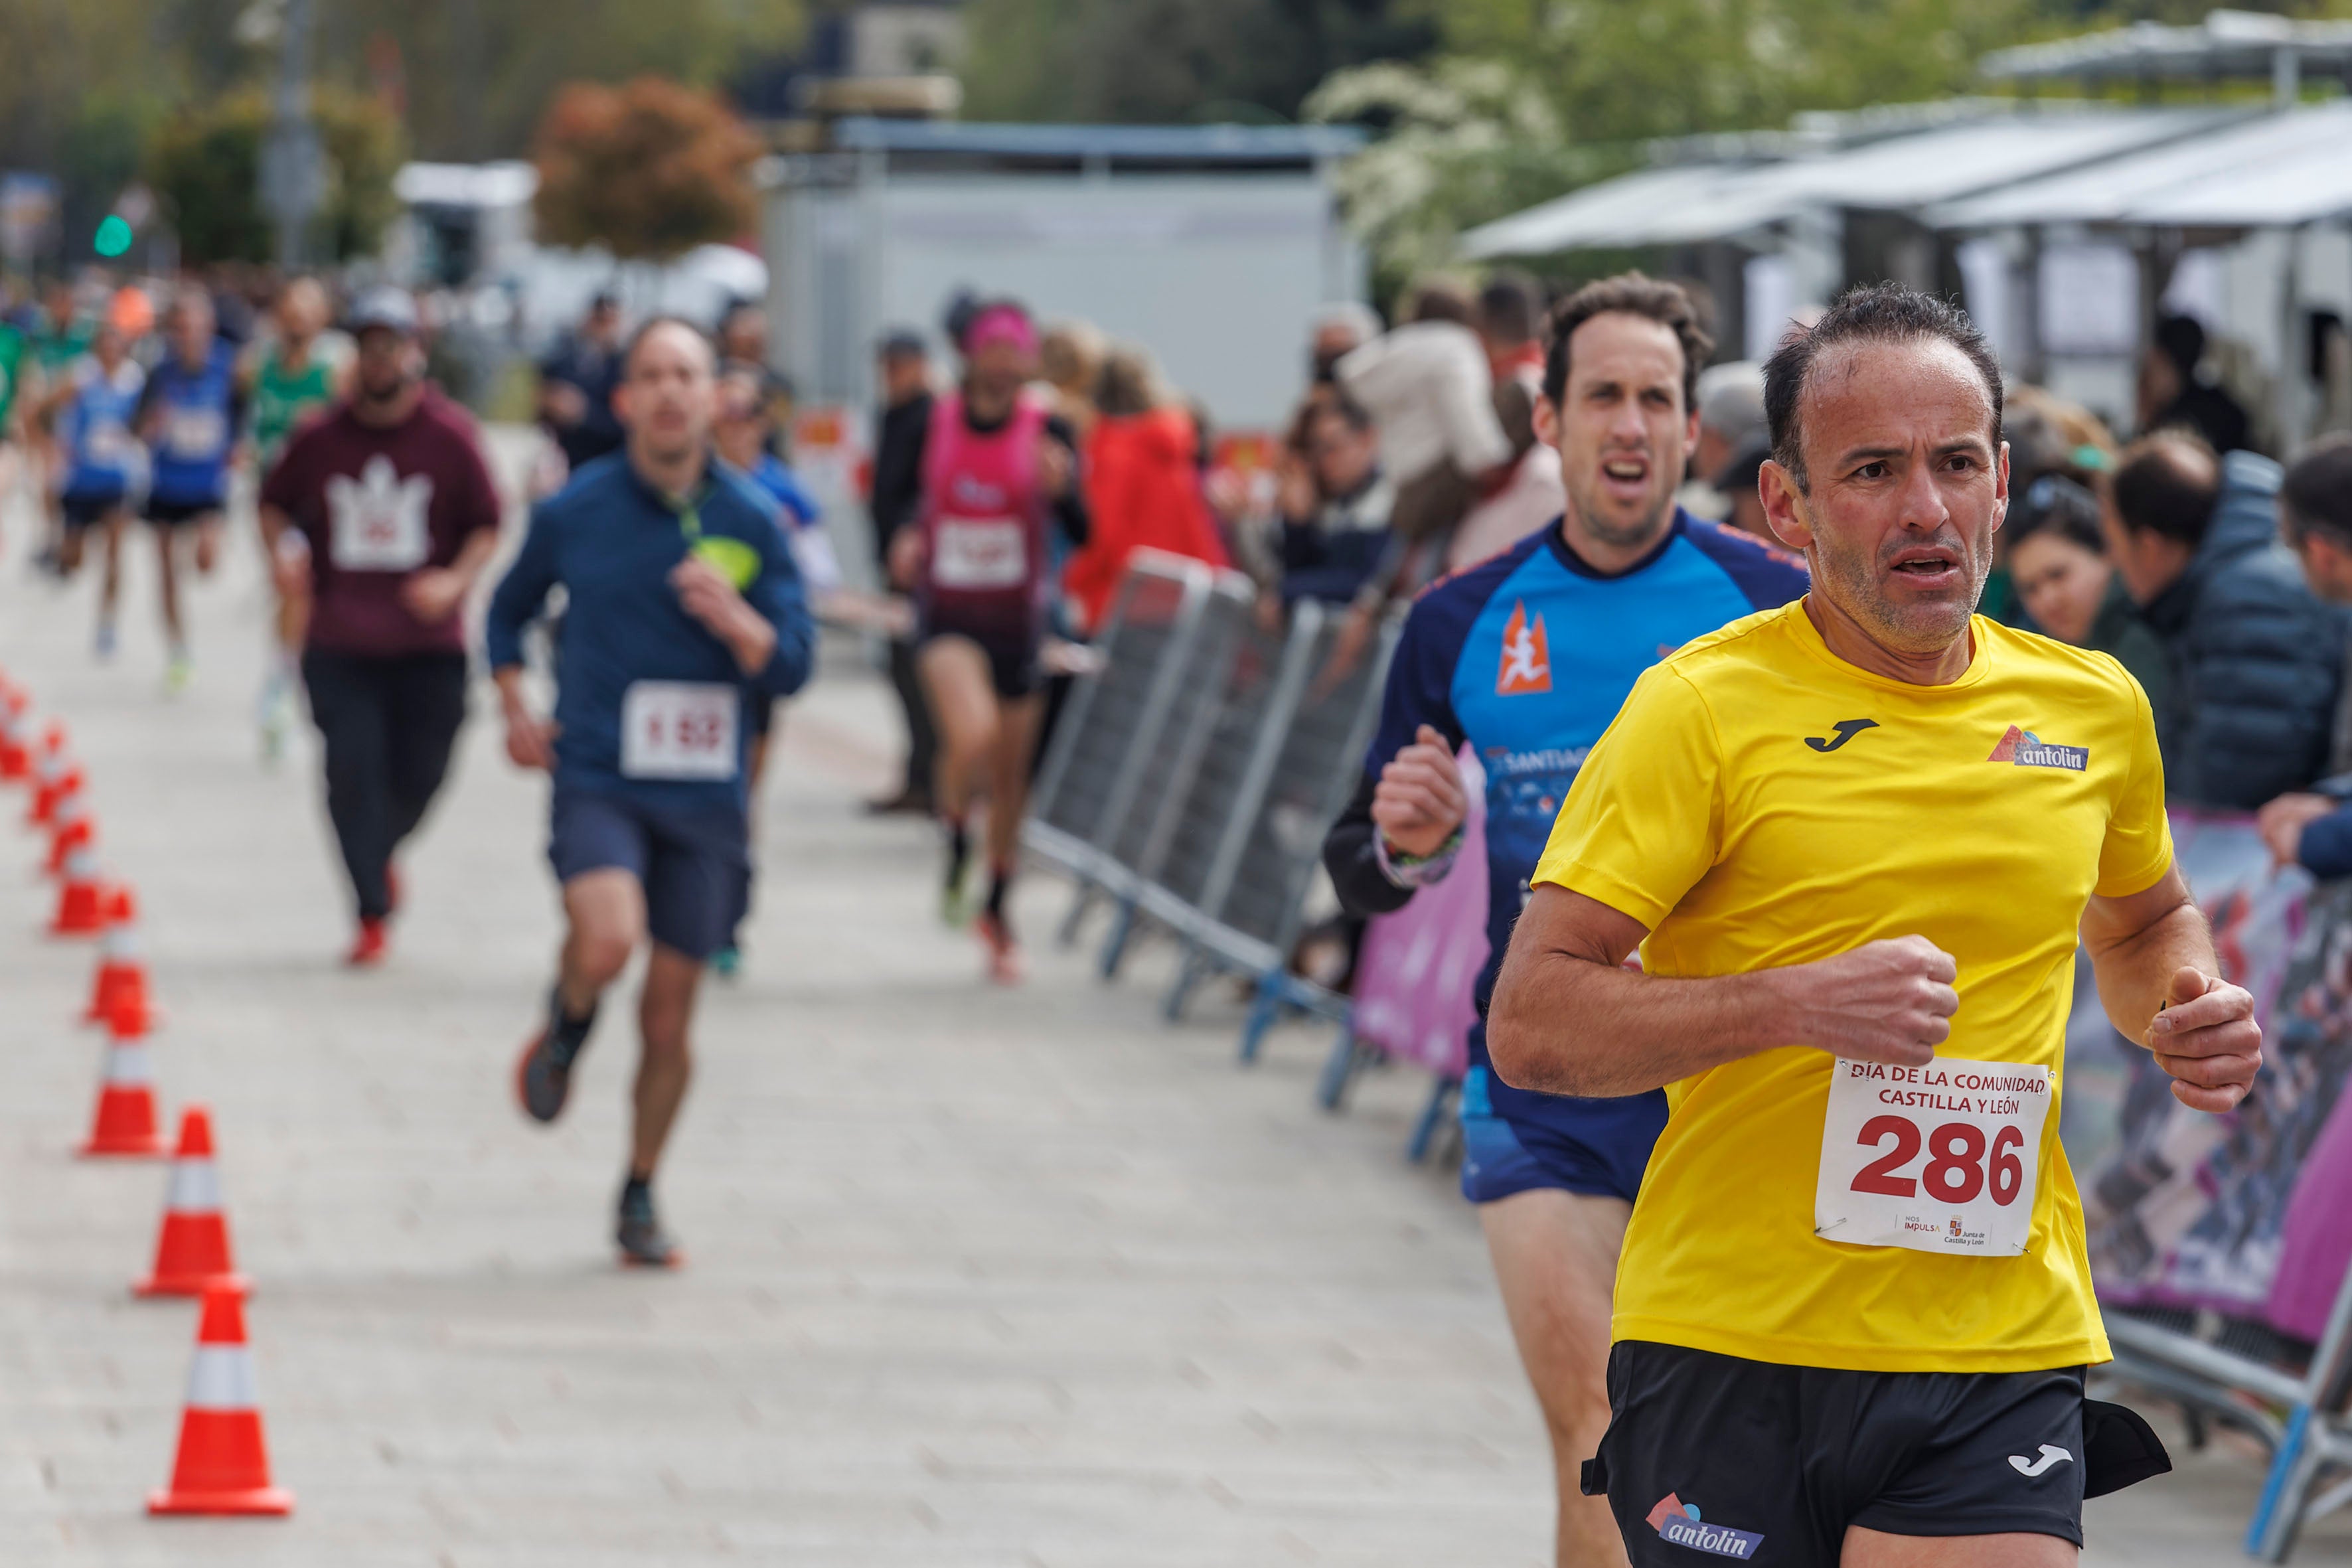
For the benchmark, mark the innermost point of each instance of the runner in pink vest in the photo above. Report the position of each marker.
(998, 467)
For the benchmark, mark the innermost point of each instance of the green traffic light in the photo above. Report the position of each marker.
(113, 236)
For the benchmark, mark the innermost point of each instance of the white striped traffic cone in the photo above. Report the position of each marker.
(223, 1463)
(192, 1251)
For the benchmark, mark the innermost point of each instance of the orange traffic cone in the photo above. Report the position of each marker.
(71, 827)
(222, 1465)
(16, 736)
(81, 901)
(119, 996)
(192, 1252)
(124, 1121)
(56, 776)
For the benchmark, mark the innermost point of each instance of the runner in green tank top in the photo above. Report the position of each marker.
(62, 337)
(289, 381)
(293, 379)
(14, 363)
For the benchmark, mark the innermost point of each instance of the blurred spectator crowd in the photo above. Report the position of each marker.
(2218, 576)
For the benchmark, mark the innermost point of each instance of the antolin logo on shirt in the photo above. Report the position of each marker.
(1527, 656)
(2028, 750)
(1680, 1524)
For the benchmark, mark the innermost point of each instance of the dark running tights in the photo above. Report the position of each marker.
(388, 723)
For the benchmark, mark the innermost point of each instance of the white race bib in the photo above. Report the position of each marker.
(1940, 1158)
(195, 434)
(678, 729)
(980, 553)
(108, 443)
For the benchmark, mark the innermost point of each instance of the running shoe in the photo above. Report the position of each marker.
(277, 717)
(643, 1244)
(104, 646)
(177, 673)
(728, 961)
(542, 1083)
(1004, 953)
(368, 948)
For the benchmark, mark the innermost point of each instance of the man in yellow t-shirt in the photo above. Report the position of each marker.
(1854, 839)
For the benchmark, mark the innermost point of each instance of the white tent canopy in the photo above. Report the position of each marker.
(1716, 201)
(2283, 168)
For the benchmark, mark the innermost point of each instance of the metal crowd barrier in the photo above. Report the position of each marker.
(2195, 1289)
(2195, 1363)
(1193, 777)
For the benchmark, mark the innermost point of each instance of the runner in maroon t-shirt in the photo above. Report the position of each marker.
(384, 514)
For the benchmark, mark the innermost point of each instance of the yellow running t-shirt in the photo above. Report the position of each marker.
(1760, 802)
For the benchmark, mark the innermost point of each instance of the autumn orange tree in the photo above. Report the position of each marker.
(647, 170)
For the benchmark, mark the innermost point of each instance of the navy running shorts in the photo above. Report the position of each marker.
(1596, 1147)
(695, 865)
(87, 509)
(178, 514)
(1718, 1456)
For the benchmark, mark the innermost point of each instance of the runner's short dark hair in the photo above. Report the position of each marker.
(2167, 483)
(1510, 307)
(2055, 505)
(1874, 312)
(1635, 295)
(652, 324)
(2316, 495)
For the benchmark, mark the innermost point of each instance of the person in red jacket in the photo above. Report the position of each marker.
(1142, 484)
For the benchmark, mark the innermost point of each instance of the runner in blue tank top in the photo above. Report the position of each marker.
(188, 416)
(92, 411)
(1528, 656)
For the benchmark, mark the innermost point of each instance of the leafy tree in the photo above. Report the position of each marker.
(1158, 61)
(481, 74)
(205, 165)
(647, 171)
(1466, 140)
(1532, 98)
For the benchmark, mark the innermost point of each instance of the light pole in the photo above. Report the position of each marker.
(291, 179)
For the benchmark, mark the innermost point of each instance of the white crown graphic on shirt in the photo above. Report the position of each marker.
(379, 525)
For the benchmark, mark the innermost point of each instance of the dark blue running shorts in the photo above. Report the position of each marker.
(1596, 1147)
(694, 864)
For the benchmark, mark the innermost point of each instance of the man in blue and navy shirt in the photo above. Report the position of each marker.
(1528, 656)
(683, 605)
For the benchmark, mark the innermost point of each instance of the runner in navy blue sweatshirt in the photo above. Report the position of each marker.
(683, 607)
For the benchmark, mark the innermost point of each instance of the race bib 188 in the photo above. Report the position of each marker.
(980, 553)
(678, 729)
(1940, 1158)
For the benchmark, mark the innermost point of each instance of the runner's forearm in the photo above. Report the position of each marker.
(2134, 967)
(1567, 1023)
(475, 554)
(1354, 869)
(752, 640)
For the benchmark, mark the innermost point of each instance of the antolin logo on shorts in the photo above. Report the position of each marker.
(1527, 656)
(1679, 1522)
(2028, 750)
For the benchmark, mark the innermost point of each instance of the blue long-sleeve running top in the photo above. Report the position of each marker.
(649, 703)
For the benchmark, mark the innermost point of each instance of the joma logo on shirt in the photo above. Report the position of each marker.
(1679, 1523)
(1527, 656)
(2028, 750)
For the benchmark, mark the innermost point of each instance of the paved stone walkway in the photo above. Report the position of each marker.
(977, 1277)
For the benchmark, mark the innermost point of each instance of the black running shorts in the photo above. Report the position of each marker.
(1712, 1456)
(1012, 654)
